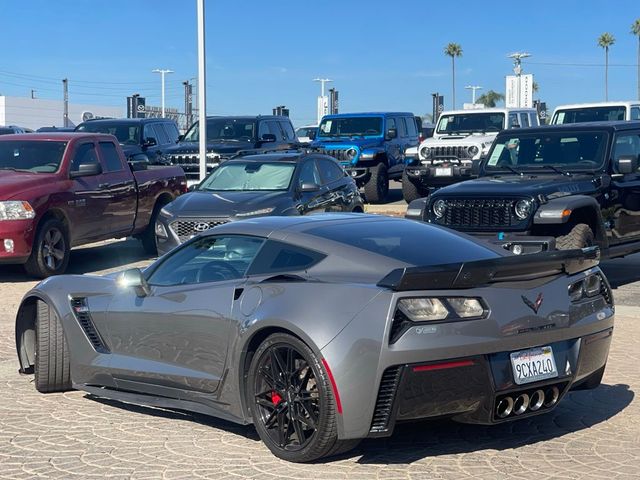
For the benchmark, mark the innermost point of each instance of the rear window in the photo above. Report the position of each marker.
(589, 114)
(407, 241)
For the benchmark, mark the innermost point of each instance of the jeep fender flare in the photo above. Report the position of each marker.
(572, 209)
(372, 155)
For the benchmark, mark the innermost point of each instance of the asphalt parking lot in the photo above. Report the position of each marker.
(592, 434)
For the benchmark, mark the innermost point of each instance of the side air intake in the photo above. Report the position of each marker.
(80, 309)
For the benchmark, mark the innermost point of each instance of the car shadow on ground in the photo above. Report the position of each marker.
(92, 258)
(415, 441)
(622, 271)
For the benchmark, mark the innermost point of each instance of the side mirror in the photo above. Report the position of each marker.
(193, 188)
(313, 134)
(392, 133)
(626, 164)
(309, 187)
(268, 138)
(149, 142)
(180, 138)
(133, 278)
(139, 161)
(475, 167)
(86, 170)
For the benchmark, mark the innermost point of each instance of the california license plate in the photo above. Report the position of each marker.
(443, 172)
(533, 365)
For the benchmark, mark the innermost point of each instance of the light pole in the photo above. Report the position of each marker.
(517, 69)
(162, 74)
(321, 103)
(202, 92)
(473, 89)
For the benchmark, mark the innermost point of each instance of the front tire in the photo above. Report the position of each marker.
(411, 191)
(52, 366)
(580, 236)
(148, 237)
(377, 187)
(292, 402)
(50, 251)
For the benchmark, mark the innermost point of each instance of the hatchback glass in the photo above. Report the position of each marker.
(252, 176)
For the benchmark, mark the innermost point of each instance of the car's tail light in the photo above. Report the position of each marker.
(589, 287)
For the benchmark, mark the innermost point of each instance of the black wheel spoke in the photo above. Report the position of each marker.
(282, 441)
(297, 425)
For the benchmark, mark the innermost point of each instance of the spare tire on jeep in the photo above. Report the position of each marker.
(579, 236)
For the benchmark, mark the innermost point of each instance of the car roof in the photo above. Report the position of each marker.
(363, 114)
(291, 156)
(489, 110)
(128, 120)
(59, 136)
(248, 117)
(625, 103)
(586, 126)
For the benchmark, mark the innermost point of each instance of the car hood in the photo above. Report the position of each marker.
(346, 142)
(215, 204)
(12, 184)
(218, 147)
(469, 139)
(528, 185)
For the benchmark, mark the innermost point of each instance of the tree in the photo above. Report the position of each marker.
(453, 50)
(635, 30)
(490, 98)
(605, 41)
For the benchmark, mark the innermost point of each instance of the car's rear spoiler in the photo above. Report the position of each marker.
(485, 272)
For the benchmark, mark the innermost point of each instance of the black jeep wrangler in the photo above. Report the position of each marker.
(561, 186)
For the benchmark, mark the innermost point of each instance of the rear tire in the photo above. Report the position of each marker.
(50, 251)
(52, 366)
(294, 396)
(580, 236)
(411, 191)
(376, 189)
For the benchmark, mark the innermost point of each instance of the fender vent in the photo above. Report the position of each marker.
(386, 396)
(81, 312)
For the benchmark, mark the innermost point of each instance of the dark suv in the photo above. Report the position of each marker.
(228, 135)
(370, 146)
(137, 136)
(564, 187)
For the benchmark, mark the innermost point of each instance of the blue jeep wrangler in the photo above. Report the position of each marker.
(370, 146)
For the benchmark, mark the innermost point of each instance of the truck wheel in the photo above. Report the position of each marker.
(376, 189)
(50, 250)
(148, 237)
(579, 236)
(52, 366)
(411, 191)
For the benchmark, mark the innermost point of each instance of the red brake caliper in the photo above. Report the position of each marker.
(275, 398)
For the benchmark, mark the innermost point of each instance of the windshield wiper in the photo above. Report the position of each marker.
(14, 169)
(555, 169)
(511, 169)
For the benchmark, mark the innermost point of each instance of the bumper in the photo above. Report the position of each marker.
(433, 176)
(21, 233)
(478, 389)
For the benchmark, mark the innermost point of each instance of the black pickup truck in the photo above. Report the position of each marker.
(564, 187)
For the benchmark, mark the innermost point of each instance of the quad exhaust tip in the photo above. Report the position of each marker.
(505, 407)
(520, 404)
(536, 401)
(531, 401)
(551, 396)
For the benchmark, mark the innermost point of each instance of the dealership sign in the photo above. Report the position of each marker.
(519, 91)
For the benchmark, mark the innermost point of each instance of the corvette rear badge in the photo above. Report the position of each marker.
(535, 306)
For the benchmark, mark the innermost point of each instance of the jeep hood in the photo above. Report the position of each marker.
(217, 147)
(467, 139)
(528, 185)
(346, 142)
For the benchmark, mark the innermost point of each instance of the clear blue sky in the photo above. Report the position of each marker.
(382, 55)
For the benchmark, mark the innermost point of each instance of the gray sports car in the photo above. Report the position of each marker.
(327, 329)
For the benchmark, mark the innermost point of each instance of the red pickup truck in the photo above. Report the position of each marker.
(60, 190)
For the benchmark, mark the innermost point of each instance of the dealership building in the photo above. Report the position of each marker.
(34, 113)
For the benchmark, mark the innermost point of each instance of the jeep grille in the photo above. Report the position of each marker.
(474, 213)
(340, 154)
(450, 152)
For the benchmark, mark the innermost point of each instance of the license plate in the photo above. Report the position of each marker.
(443, 172)
(533, 365)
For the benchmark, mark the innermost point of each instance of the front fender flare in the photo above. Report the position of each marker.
(555, 212)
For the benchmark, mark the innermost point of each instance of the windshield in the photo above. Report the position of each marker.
(127, 134)
(568, 150)
(305, 131)
(471, 122)
(590, 114)
(30, 156)
(351, 126)
(221, 130)
(250, 176)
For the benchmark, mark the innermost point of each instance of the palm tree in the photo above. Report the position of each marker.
(635, 30)
(605, 41)
(490, 98)
(453, 50)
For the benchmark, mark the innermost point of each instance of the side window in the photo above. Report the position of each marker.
(110, 157)
(513, 120)
(402, 132)
(329, 170)
(524, 120)
(534, 120)
(635, 113)
(289, 133)
(85, 155)
(276, 257)
(412, 126)
(162, 136)
(626, 145)
(172, 132)
(208, 259)
(263, 129)
(150, 132)
(309, 173)
(391, 123)
(274, 127)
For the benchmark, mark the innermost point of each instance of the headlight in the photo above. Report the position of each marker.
(523, 209)
(351, 153)
(161, 231)
(425, 152)
(423, 309)
(473, 150)
(16, 210)
(439, 208)
(466, 307)
(211, 155)
(262, 211)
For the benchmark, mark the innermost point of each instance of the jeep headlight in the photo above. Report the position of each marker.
(16, 210)
(473, 150)
(352, 153)
(523, 209)
(439, 208)
(425, 152)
